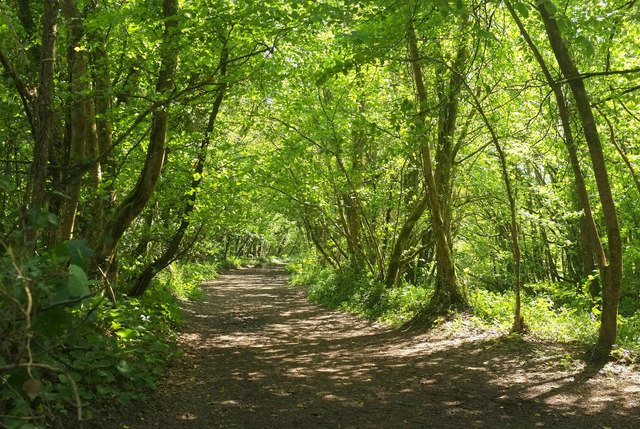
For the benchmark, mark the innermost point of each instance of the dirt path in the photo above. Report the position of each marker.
(258, 355)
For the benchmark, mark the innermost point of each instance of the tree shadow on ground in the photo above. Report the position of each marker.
(258, 355)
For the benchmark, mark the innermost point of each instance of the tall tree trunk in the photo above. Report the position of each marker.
(137, 199)
(44, 113)
(611, 270)
(72, 182)
(169, 254)
(519, 325)
(445, 156)
(100, 138)
(448, 290)
(589, 223)
(351, 201)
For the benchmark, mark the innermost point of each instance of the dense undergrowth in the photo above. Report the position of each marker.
(554, 311)
(67, 350)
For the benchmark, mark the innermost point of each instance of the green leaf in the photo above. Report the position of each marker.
(127, 333)
(359, 36)
(488, 35)
(586, 45)
(550, 6)
(79, 251)
(78, 284)
(124, 367)
(522, 9)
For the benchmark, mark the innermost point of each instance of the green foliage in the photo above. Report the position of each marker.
(360, 294)
(554, 312)
(65, 346)
(120, 356)
(545, 318)
(183, 280)
(317, 143)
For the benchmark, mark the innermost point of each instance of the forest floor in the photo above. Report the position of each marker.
(259, 355)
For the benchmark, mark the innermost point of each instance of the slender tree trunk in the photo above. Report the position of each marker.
(590, 230)
(611, 272)
(519, 325)
(44, 113)
(169, 254)
(351, 201)
(78, 117)
(100, 137)
(448, 291)
(137, 199)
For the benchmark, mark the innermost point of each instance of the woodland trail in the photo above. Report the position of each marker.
(259, 355)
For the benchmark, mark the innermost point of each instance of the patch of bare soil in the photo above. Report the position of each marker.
(259, 355)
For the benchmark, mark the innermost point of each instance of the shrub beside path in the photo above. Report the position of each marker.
(259, 355)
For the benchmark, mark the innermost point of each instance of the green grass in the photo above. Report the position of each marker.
(558, 312)
(360, 294)
(184, 280)
(560, 319)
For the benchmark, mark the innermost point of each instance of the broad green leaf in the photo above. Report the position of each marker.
(586, 45)
(78, 283)
(127, 333)
(550, 5)
(522, 9)
(124, 367)
(79, 251)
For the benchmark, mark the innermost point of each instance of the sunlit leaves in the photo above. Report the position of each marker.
(522, 8)
(586, 45)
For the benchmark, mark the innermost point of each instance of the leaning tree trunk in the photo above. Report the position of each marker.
(170, 253)
(611, 272)
(137, 199)
(589, 229)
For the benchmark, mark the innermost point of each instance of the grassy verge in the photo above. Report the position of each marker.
(360, 294)
(554, 312)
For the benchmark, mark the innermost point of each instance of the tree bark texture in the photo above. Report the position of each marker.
(137, 199)
(44, 108)
(79, 127)
(611, 272)
(448, 291)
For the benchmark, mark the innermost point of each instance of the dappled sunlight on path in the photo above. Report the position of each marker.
(259, 355)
